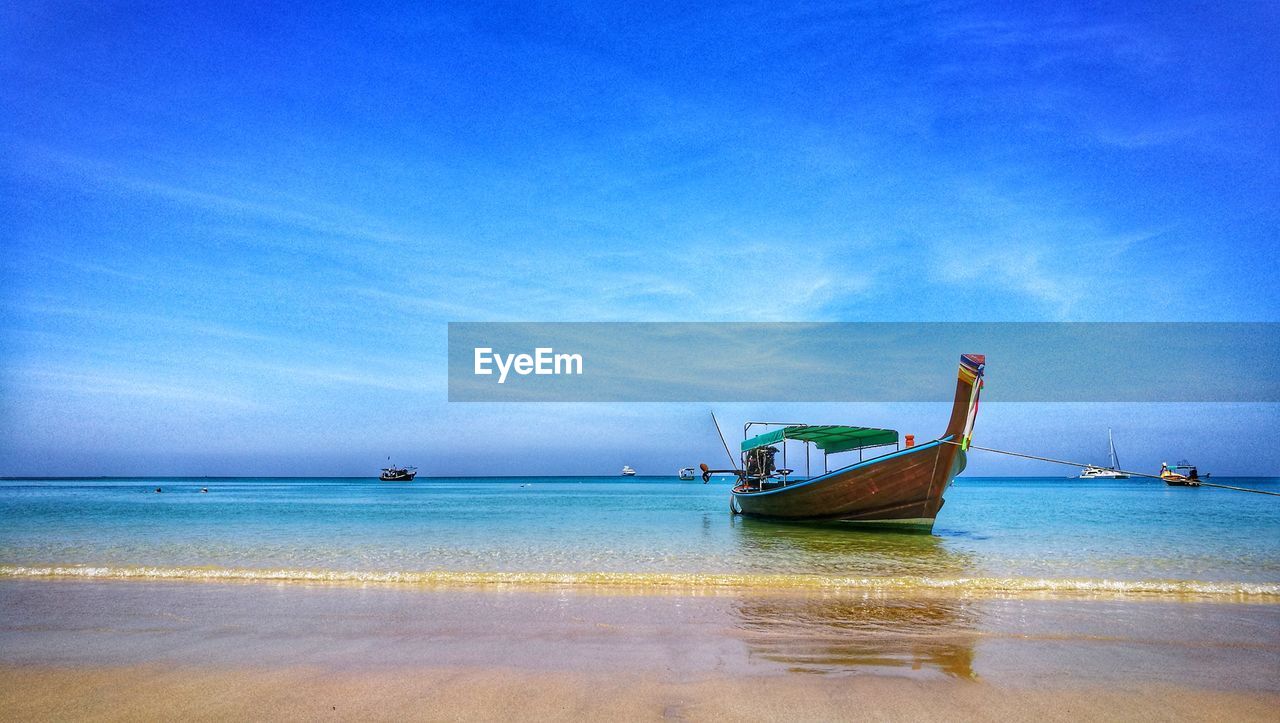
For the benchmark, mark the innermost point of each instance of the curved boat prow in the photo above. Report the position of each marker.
(964, 410)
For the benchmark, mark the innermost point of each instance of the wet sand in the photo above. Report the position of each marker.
(497, 693)
(133, 650)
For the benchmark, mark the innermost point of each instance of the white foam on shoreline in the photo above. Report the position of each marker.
(656, 582)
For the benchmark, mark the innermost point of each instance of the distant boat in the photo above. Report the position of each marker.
(627, 471)
(686, 473)
(398, 474)
(902, 487)
(1182, 474)
(1112, 472)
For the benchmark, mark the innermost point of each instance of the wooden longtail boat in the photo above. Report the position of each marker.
(901, 488)
(1183, 474)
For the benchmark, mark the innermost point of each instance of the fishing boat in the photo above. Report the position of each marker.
(686, 473)
(1112, 472)
(902, 487)
(627, 471)
(1182, 474)
(398, 474)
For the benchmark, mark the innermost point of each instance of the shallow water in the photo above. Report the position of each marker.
(1028, 642)
(993, 534)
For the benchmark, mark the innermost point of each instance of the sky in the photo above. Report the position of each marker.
(233, 235)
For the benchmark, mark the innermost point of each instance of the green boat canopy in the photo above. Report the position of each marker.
(829, 438)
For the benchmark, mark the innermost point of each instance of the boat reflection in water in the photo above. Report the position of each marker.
(842, 550)
(916, 632)
(846, 633)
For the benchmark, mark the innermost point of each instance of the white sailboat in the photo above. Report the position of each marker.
(1112, 472)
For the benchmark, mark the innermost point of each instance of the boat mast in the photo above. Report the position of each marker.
(1115, 461)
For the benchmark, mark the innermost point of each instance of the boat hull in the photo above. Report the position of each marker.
(901, 489)
(400, 477)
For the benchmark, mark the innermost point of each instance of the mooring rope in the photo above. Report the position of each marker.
(1131, 474)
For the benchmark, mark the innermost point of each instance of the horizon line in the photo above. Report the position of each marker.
(12, 478)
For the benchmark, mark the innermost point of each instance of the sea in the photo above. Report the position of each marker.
(993, 536)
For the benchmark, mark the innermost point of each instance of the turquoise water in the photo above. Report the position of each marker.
(1028, 533)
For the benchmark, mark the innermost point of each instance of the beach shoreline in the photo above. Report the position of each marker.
(673, 583)
(112, 650)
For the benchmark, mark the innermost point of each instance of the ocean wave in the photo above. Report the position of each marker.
(658, 582)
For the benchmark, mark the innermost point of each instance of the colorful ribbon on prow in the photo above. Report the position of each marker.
(972, 367)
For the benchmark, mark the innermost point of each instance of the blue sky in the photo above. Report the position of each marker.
(233, 236)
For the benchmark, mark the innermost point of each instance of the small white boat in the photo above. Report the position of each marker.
(686, 473)
(1102, 473)
(1112, 472)
(627, 471)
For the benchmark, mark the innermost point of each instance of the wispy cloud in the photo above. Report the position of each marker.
(427, 380)
(1065, 40)
(999, 244)
(725, 281)
(1034, 272)
(118, 320)
(265, 205)
(1146, 133)
(127, 385)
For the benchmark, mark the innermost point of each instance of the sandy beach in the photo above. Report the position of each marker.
(499, 693)
(206, 651)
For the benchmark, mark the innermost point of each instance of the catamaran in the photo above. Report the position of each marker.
(1112, 472)
(901, 487)
(627, 471)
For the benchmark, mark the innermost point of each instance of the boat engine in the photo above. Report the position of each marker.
(759, 462)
